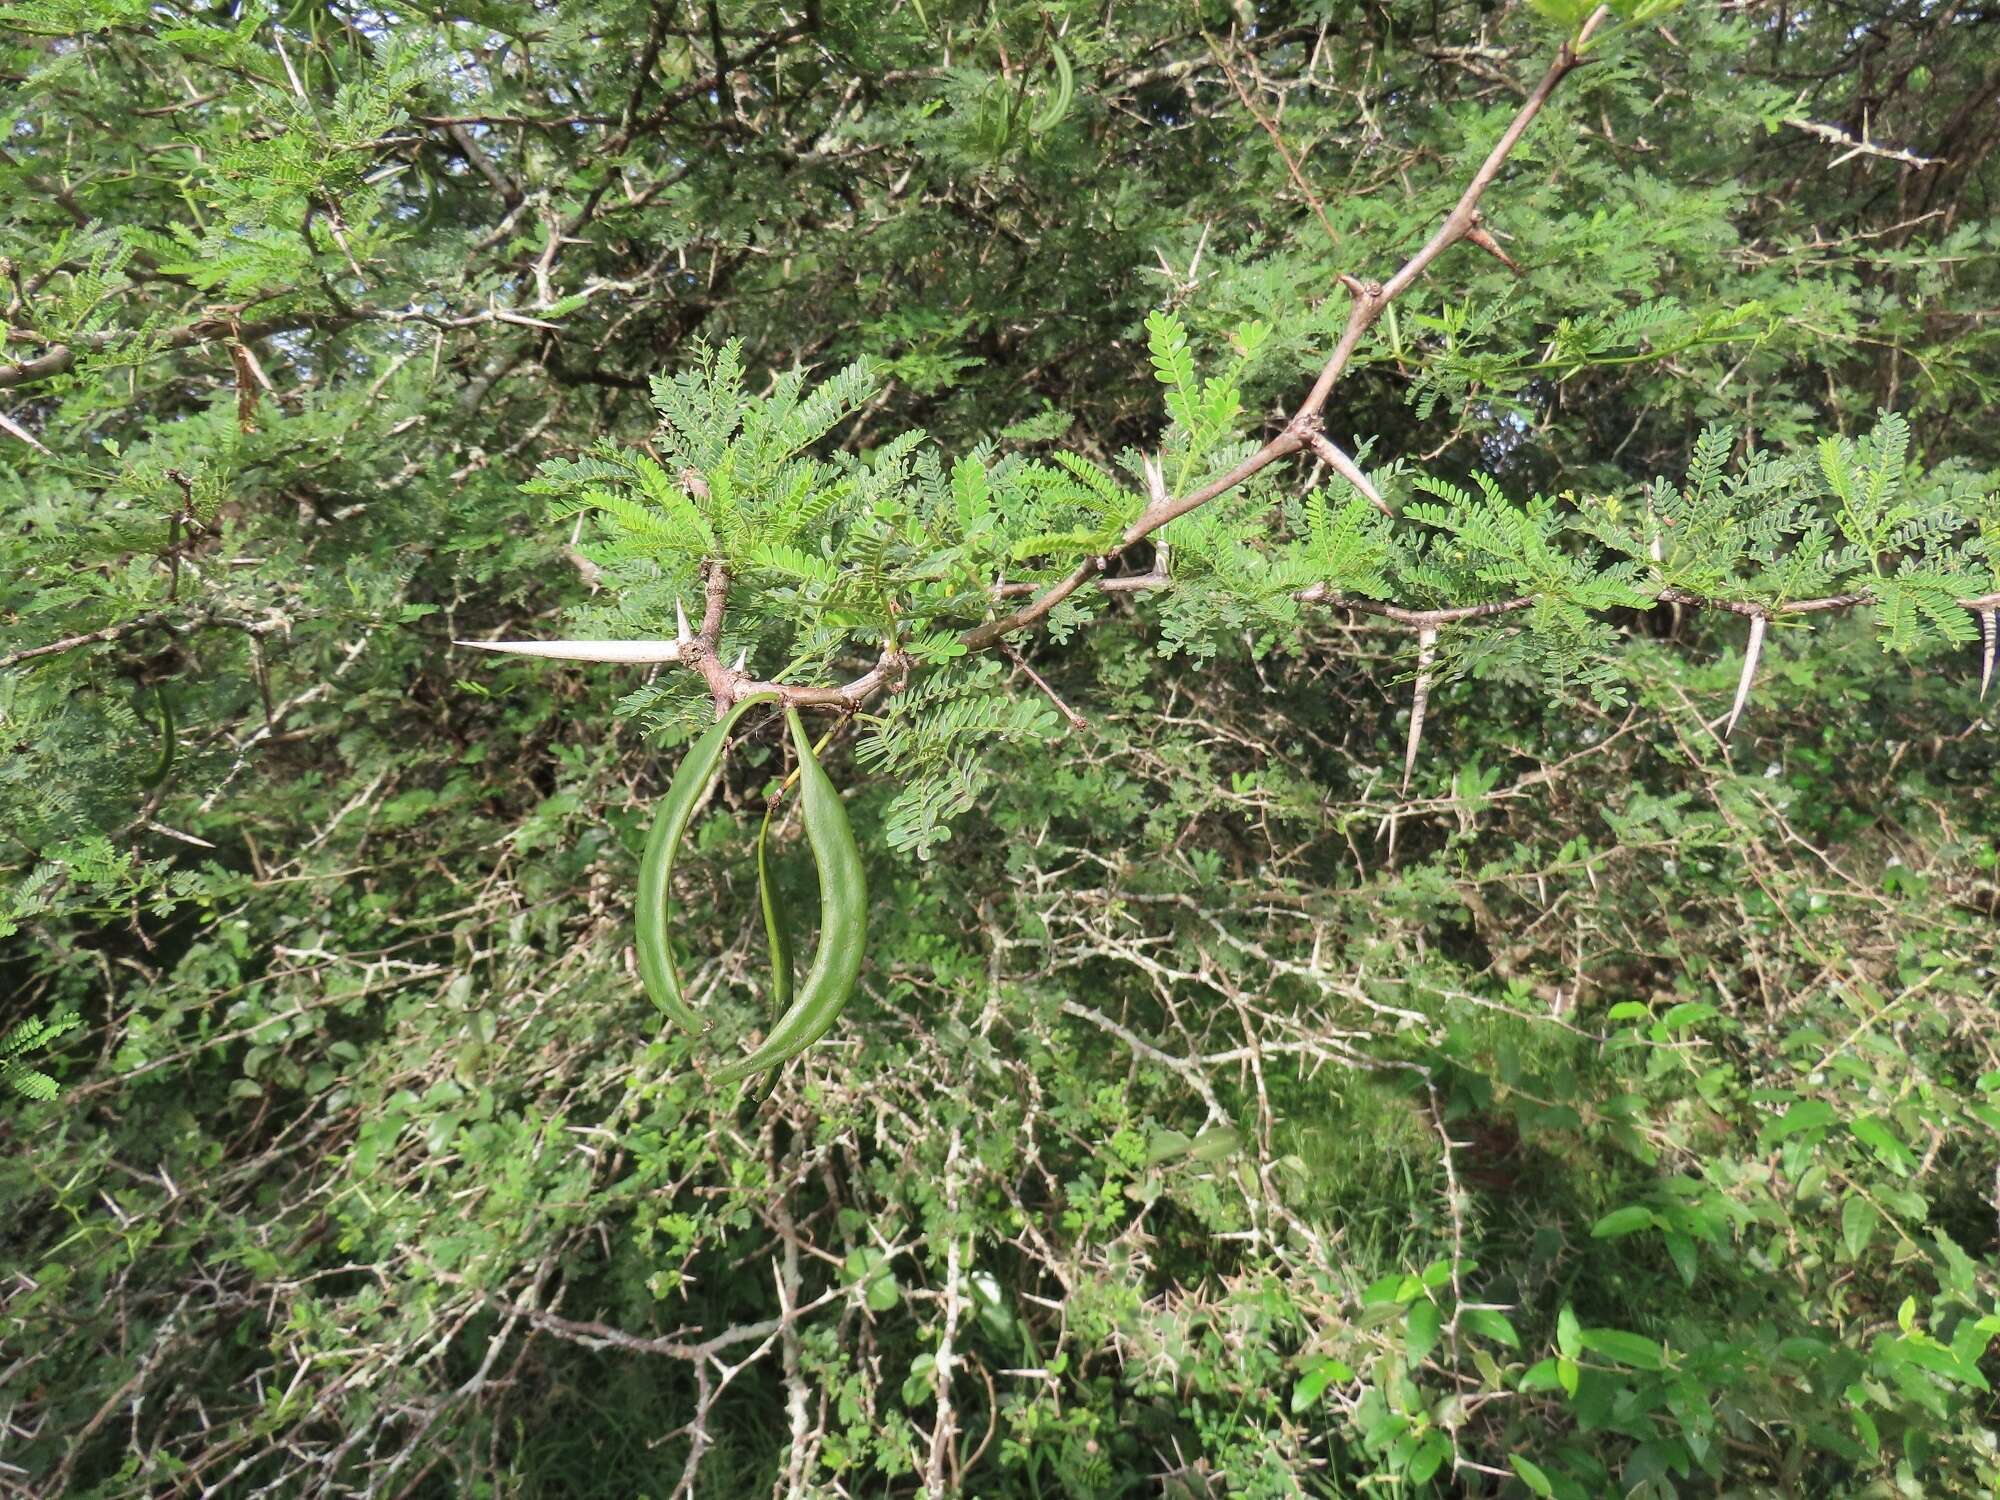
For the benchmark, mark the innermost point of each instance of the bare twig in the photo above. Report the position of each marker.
(1270, 128)
(944, 1429)
(1862, 147)
(1427, 641)
(1076, 720)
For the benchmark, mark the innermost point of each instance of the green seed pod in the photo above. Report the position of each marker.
(777, 930)
(656, 868)
(843, 922)
(169, 741)
(777, 935)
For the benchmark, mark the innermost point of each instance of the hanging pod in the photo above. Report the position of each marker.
(777, 931)
(656, 868)
(843, 923)
(169, 740)
(776, 934)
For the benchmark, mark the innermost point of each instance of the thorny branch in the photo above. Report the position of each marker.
(1305, 431)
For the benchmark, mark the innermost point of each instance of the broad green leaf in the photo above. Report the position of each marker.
(1531, 1475)
(1429, 1457)
(1858, 1218)
(869, 1269)
(1880, 1139)
(1425, 1326)
(1681, 1250)
(1624, 1348)
(1566, 14)
(1490, 1323)
(1319, 1375)
(1807, 1114)
(1216, 1144)
(1623, 1221)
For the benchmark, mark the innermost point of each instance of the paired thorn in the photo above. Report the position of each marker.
(626, 653)
(1347, 469)
(1751, 652)
(681, 631)
(1479, 235)
(1156, 482)
(742, 661)
(1427, 640)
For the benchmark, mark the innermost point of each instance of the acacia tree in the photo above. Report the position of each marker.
(1393, 449)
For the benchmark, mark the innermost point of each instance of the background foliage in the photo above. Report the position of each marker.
(1608, 1110)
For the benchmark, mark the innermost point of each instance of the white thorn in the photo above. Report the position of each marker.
(1989, 630)
(1348, 469)
(742, 660)
(1156, 481)
(629, 653)
(681, 630)
(175, 833)
(8, 424)
(1427, 640)
(1750, 654)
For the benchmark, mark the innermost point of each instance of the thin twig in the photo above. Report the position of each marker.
(1863, 147)
(1427, 641)
(1076, 720)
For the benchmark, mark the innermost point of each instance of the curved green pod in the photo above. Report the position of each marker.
(776, 934)
(656, 867)
(777, 931)
(843, 922)
(169, 740)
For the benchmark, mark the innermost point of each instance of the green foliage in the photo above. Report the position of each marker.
(19, 1076)
(1614, 1113)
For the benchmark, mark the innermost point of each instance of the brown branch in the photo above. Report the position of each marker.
(594, 1335)
(226, 323)
(1416, 619)
(1076, 720)
(886, 673)
(59, 358)
(1753, 608)
(1425, 619)
(510, 194)
(89, 638)
(715, 591)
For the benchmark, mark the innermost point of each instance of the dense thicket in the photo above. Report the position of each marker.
(1247, 1093)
